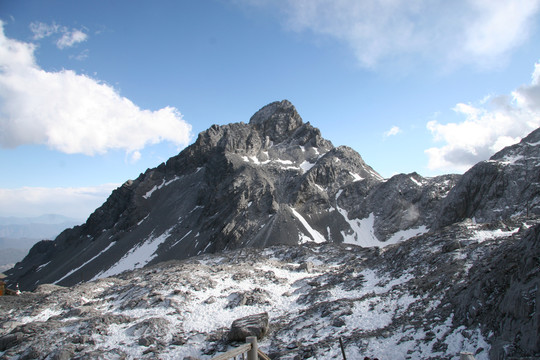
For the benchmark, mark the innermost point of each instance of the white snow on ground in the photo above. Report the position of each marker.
(140, 222)
(284, 164)
(42, 266)
(415, 181)
(512, 159)
(356, 177)
(403, 235)
(483, 235)
(306, 166)
(377, 176)
(157, 187)
(87, 262)
(458, 343)
(44, 315)
(373, 284)
(182, 238)
(137, 257)
(193, 303)
(362, 232)
(315, 235)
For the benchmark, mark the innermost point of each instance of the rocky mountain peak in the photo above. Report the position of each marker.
(277, 120)
(272, 181)
(526, 151)
(458, 259)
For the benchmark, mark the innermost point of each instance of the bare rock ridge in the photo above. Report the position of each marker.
(274, 180)
(506, 184)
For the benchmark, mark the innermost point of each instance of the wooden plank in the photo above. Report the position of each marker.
(234, 352)
(262, 355)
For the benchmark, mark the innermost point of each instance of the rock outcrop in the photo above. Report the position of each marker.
(251, 325)
(507, 184)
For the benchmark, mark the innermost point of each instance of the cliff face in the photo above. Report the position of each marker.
(507, 184)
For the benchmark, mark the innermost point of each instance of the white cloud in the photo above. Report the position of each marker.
(71, 202)
(488, 127)
(67, 39)
(500, 26)
(42, 30)
(74, 113)
(71, 38)
(135, 156)
(461, 31)
(394, 130)
(81, 56)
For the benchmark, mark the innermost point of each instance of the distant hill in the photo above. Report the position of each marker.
(8, 258)
(33, 228)
(19, 234)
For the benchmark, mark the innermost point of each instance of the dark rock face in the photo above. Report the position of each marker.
(503, 295)
(402, 202)
(505, 185)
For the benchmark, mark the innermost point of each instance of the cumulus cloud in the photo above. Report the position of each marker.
(72, 202)
(487, 127)
(460, 31)
(68, 37)
(394, 130)
(74, 113)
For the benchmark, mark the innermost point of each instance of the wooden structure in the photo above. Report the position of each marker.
(2, 284)
(251, 349)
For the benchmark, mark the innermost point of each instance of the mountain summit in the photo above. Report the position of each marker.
(272, 181)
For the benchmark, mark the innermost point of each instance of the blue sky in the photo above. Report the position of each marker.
(93, 93)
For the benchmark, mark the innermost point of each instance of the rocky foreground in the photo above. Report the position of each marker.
(467, 287)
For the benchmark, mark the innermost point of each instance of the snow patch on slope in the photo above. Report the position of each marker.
(87, 262)
(403, 235)
(137, 257)
(483, 235)
(315, 235)
(157, 187)
(362, 231)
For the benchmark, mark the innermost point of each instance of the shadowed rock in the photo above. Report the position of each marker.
(253, 325)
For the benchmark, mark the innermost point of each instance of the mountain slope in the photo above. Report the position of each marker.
(466, 287)
(273, 181)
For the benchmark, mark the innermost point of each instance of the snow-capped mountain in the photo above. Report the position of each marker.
(270, 217)
(272, 181)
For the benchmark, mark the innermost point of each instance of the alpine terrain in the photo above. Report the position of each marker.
(270, 218)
